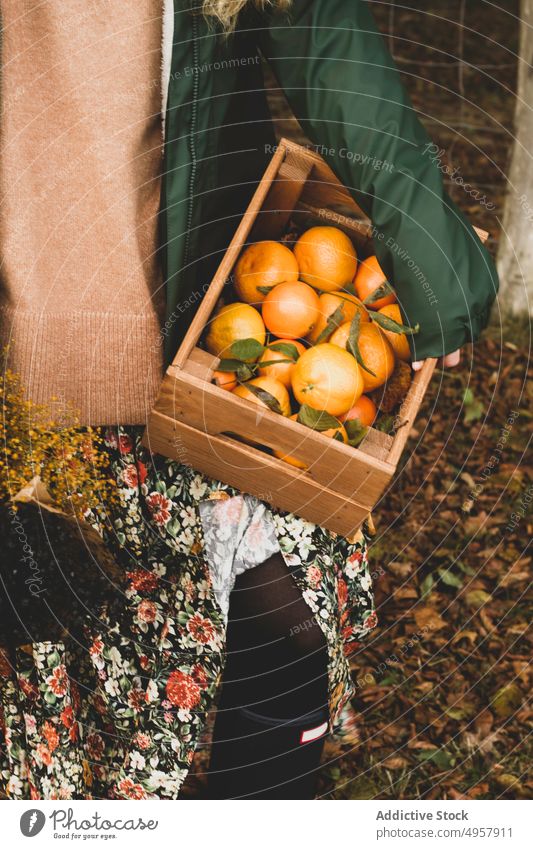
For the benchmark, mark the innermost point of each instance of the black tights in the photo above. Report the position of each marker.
(276, 671)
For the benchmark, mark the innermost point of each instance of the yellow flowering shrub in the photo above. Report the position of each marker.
(69, 459)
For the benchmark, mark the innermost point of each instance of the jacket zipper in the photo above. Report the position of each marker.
(192, 141)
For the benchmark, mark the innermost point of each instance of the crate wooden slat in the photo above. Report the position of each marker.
(218, 433)
(255, 472)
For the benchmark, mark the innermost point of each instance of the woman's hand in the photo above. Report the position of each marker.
(449, 361)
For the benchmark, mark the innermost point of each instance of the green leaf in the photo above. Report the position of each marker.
(462, 711)
(356, 432)
(450, 579)
(440, 757)
(285, 348)
(229, 365)
(353, 343)
(473, 409)
(316, 419)
(386, 423)
(380, 292)
(244, 371)
(427, 585)
(477, 598)
(264, 289)
(335, 320)
(507, 700)
(247, 349)
(264, 396)
(388, 323)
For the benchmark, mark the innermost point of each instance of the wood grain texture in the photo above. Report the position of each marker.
(185, 397)
(249, 470)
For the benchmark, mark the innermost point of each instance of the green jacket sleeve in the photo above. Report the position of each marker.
(346, 92)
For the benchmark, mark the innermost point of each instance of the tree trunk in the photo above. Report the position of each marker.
(515, 254)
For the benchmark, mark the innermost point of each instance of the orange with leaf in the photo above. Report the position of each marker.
(234, 323)
(335, 308)
(278, 359)
(372, 286)
(327, 378)
(326, 258)
(262, 266)
(266, 392)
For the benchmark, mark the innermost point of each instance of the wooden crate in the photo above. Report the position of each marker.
(194, 421)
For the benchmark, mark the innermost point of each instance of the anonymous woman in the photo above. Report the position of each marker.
(132, 137)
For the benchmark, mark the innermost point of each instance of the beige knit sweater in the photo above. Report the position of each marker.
(81, 295)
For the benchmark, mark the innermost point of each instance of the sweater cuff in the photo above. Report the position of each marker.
(437, 341)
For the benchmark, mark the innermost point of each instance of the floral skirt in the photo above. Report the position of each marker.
(118, 714)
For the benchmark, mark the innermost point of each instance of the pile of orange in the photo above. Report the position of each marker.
(313, 329)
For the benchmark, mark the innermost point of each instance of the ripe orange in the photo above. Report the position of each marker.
(282, 371)
(377, 354)
(270, 385)
(231, 323)
(341, 335)
(364, 410)
(331, 301)
(398, 340)
(327, 378)
(225, 380)
(370, 277)
(326, 258)
(264, 264)
(290, 310)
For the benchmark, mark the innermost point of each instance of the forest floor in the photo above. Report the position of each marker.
(441, 689)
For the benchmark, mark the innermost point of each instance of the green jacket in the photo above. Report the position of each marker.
(344, 89)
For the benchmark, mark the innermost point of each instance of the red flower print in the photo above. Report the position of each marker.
(95, 746)
(130, 476)
(67, 716)
(182, 689)
(342, 591)
(200, 676)
(96, 647)
(147, 611)
(143, 581)
(58, 680)
(51, 736)
(136, 699)
(142, 741)
(75, 696)
(356, 557)
(371, 620)
(125, 444)
(73, 733)
(200, 629)
(314, 576)
(43, 754)
(142, 472)
(159, 506)
(133, 791)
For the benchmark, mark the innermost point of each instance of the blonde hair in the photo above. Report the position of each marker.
(226, 12)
